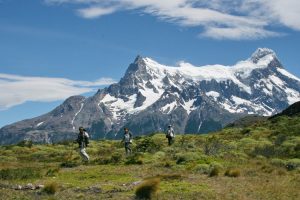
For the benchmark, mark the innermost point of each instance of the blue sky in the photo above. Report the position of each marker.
(51, 49)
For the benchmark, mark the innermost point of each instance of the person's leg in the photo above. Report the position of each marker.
(129, 148)
(84, 155)
(169, 141)
(126, 148)
(172, 140)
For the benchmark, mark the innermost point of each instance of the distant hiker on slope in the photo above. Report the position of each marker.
(83, 141)
(127, 139)
(170, 135)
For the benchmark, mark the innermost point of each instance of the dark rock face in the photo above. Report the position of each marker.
(291, 111)
(150, 96)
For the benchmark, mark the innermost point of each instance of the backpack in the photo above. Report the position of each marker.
(86, 138)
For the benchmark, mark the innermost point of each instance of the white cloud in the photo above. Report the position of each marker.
(16, 89)
(238, 33)
(94, 12)
(238, 19)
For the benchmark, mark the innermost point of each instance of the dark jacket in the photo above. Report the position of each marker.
(127, 138)
(83, 139)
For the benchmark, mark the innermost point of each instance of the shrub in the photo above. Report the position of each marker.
(293, 164)
(51, 188)
(159, 155)
(20, 173)
(246, 131)
(278, 162)
(69, 164)
(25, 143)
(203, 168)
(215, 168)
(147, 189)
(186, 157)
(217, 165)
(267, 169)
(116, 158)
(168, 164)
(212, 146)
(232, 173)
(134, 159)
(52, 172)
(8, 159)
(265, 150)
(147, 145)
(214, 172)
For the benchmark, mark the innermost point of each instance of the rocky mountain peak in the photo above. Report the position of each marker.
(195, 99)
(261, 53)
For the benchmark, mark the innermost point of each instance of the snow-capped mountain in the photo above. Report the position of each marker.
(151, 95)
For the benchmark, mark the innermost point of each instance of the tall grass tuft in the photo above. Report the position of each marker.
(147, 189)
(232, 173)
(214, 172)
(51, 188)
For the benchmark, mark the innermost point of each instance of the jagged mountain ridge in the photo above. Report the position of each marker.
(151, 95)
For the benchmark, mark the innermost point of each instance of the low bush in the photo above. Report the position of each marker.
(20, 173)
(135, 159)
(25, 143)
(203, 168)
(116, 158)
(147, 144)
(147, 189)
(278, 162)
(293, 164)
(212, 146)
(214, 172)
(182, 158)
(69, 164)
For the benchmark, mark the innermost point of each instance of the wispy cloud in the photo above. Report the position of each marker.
(220, 19)
(93, 12)
(15, 89)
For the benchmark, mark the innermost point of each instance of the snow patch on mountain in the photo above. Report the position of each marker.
(213, 94)
(292, 95)
(72, 122)
(286, 73)
(169, 107)
(188, 106)
(219, 73)
(39, 124)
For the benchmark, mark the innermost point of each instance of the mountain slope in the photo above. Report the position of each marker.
(150, 96)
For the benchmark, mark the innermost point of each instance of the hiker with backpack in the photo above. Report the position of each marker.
(170, 135)
(83, 141)
(127, 139)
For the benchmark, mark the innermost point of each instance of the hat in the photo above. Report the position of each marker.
(81, 128)
(170, 125)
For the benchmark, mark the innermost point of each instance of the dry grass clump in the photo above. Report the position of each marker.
(147, 189)
(51, 188)
(232, 173)
(214, 172)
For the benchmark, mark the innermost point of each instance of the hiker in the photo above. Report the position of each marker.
(83, 141)
(170, 135)
(127, 139)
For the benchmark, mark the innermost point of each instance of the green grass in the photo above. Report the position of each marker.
(261, 161)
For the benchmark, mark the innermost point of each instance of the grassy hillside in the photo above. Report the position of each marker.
(261, 161)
